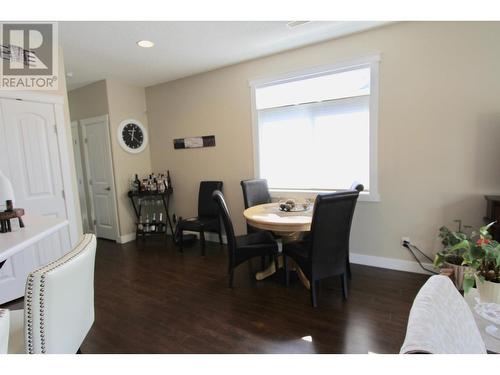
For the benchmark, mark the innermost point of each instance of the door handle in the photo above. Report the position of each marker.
(108, 188)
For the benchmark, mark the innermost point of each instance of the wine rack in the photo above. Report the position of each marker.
(157, 226)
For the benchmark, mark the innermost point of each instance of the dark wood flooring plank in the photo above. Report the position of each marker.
(149, 298)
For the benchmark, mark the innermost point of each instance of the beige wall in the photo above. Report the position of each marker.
(120, 101)
(88, 101)
(439, 127)
(126, 101)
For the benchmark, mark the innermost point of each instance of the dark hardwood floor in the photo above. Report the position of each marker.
(149, 298)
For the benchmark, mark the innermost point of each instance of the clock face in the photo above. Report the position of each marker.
(132, 136)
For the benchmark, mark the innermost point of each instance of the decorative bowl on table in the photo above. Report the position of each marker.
(294, 205)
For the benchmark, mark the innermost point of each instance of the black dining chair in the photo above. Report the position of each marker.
(324, 253)
(208, 219)
(355, 186)
(255, 192)
(358, 186)
(246, 247)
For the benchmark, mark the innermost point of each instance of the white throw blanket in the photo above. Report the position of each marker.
(441, 322)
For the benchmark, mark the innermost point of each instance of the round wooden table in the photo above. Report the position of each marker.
(269, 217)
(287, 225)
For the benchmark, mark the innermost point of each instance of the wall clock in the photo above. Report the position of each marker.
(132, 136)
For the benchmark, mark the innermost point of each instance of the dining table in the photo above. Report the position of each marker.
(36, 228)
(286, 226)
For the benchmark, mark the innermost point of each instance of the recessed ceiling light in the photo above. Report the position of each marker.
(145, 43)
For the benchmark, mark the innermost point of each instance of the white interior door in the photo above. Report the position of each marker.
(30, 158)
(99, 167)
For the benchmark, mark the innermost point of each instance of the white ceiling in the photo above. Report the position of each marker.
(98, 50)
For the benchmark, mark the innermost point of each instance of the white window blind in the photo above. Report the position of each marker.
(314, 131)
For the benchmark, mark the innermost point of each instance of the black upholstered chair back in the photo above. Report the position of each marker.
(220, 202)
(358, 186)
(255, 192)
(330, 231)
(206, 205)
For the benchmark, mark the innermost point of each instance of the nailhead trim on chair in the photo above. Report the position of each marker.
(29, 298)
(42, 324)
(29, 312)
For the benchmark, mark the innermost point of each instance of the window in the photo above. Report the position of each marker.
(315, 131)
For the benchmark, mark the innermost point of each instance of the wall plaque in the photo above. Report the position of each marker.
(195, 142)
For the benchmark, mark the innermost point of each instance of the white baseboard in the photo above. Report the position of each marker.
(126, 238)
(365, 260)
(356, 258)
(210, 237)
(214, 237)
(389, 263)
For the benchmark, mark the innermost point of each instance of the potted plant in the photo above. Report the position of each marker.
(482, 255)
(452, 256)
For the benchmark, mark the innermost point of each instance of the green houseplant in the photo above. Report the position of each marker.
(452, 256)
(482, 255)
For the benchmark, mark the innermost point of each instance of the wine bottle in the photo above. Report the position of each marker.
(146, 228)
(153, 223)
(169, 181)
(160, 223)
(137, 184)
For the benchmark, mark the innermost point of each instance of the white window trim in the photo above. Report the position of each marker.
(372, 61)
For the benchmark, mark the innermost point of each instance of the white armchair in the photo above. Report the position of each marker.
(58, 304)
(441, 322)
(4, 330)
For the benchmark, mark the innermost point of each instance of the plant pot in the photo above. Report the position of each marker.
(489, 292)
(458, 274)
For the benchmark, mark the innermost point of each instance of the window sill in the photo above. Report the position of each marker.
(277, 194)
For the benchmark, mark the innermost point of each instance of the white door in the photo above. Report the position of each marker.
(99, 167)
(30, 156)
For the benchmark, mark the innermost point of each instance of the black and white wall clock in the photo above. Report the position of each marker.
(132, 136)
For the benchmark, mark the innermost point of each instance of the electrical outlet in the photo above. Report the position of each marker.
(405, 239)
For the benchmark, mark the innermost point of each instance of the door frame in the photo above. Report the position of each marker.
(77, 152)
(65, 153)
(83, 123)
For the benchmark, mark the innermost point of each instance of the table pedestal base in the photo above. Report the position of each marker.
(271, 270)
